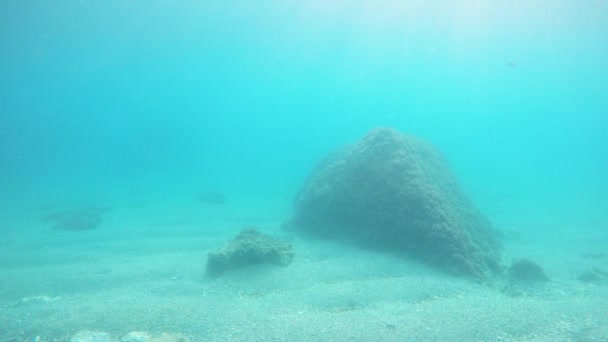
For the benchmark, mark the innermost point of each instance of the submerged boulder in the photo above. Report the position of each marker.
(248, 248)
(396, 192)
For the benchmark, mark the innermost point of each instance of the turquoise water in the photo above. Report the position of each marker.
(125, 103)
(99, 97)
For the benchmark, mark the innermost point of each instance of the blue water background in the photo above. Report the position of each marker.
(114, 102)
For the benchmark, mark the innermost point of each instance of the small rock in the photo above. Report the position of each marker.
(36, 299)
(142, 336)
(165, 337)
(248, 248)
(76, 219)
(136, 336)
(526, 271)
(513, 291)
(594, 276)
(90, 336)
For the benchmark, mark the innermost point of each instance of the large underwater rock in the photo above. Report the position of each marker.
(395, 191)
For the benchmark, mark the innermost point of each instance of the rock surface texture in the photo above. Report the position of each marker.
(248, 248)
(394, 191)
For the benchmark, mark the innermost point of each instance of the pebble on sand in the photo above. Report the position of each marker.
(142, 336)
(90, 336)
(136, 336)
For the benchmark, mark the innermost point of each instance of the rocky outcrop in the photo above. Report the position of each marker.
(396, 192)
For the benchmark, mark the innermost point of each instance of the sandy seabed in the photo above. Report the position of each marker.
(142, 272)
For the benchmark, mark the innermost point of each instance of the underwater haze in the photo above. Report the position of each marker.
(138, 136)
